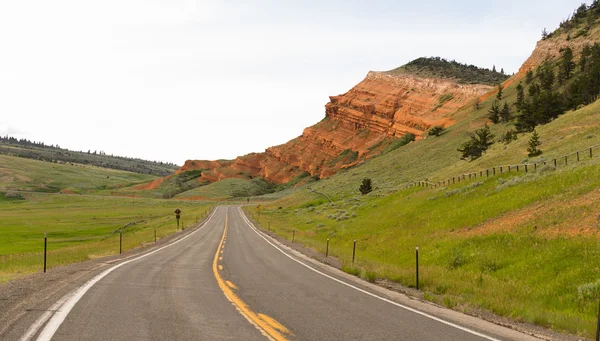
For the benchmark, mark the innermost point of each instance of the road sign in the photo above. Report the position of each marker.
(178, 211)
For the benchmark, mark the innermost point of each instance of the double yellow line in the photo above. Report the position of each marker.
(268, 326)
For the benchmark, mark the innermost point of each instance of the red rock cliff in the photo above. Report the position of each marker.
(357, 125)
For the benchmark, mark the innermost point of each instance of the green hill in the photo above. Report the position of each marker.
(21, 174)
(42, 152)
(522, 244)
(436, 67)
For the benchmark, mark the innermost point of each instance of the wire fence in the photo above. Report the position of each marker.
(578, 156)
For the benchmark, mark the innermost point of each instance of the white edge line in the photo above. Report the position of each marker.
(364, 291)
(64, 305)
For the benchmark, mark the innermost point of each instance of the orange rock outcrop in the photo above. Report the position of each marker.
(357, 125)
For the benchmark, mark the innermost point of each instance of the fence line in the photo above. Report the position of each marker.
(580, 155)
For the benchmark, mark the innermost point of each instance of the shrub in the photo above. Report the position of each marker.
(437, 131)
(366, 186)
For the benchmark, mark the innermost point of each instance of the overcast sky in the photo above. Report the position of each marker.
(172, 80)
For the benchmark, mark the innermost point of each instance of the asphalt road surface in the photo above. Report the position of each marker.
(228, 281)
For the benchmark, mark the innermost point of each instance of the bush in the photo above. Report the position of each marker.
(589, 291)
(366, 186)
(404, 140)
(352, 270)
(437, 131)
(370, 276)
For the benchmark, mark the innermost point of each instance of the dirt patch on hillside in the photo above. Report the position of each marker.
(577, 217)
(152, 185)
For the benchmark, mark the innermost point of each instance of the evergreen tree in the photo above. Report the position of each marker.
(499, 94)
(545, 34)
(505, 114)
(366, 186)
(567, 65)
(509, 136)
(583, 61)
(502, 70)
(478, 144)
(520, 97)
(494, 68)
(494, 112)
(529, 77)
(534, 142)
(546, 76)
(533, 90)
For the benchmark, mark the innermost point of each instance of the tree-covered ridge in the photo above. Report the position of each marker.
(437, 67)
(53, 153)
(579, 23)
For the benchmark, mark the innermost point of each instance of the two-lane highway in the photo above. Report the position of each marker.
(228, 281)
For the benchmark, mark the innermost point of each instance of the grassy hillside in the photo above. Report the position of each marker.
(39, 151)
(436, 67)
(80, 227)
(31, 175)
(525, 246)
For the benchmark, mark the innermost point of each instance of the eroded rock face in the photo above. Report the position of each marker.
(550, 49)
(358, 124)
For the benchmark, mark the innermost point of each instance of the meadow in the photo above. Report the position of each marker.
(18, 173)
(525, 246)
(81, 227)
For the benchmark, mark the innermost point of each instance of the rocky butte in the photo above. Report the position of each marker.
(362, 122)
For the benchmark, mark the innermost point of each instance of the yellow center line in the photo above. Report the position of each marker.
(267, 325)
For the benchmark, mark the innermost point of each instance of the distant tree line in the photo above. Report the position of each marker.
(437, 67)
(53, 153)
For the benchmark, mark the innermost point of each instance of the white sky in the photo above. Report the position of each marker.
(172, 80)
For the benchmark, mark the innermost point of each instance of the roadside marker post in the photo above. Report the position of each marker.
(155, 235)
(293, 235)
(45, 249)
(354, 251)
(417, 259)
(327, 249)
(121, 241)
(269, 228)
(177, 217)
(598, 325)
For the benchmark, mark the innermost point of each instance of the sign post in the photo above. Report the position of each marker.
(177, 216)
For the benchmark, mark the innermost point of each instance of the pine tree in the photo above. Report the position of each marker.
(567, 65)
(499, 94)
(583, 61)
(534, 142)
(494, 68)
(529, 77)
(366, 186)
(520, 97)
(494, 112)
(485, 138)
(505, 114)
(478, 144)
(546, 76)
(502, 70)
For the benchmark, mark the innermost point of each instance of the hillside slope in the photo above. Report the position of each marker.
(362, 123)
(521, 245)
(22, 174)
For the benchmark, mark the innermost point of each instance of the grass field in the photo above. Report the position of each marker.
(80, 227)
(220, 190)
(522, 245)
(525, 246)
(25, 174)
